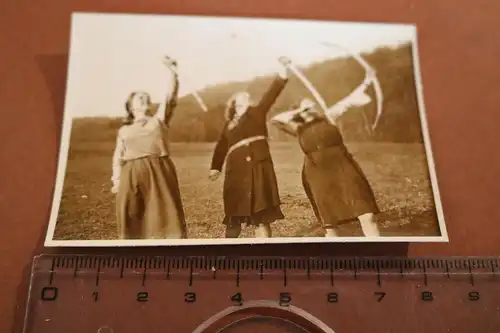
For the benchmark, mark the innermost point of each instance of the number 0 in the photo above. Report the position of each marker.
(49, 294)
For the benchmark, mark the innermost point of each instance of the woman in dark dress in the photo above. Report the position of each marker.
(250, 189)
(336, 186)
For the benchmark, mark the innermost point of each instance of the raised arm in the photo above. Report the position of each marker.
(166, 111)
(273, 92)
(357, 97)
(171, 101)
(116, 162)
(284, 122)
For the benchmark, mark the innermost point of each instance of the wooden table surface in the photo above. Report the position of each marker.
(459, 43)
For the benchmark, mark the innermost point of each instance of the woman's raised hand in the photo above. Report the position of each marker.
(170, 63)
(285, 61)
(285, 65)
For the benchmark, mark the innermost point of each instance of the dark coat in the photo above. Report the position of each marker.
(333, 181)
(250, 184)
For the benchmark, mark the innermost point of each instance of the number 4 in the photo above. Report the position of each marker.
(237, 298)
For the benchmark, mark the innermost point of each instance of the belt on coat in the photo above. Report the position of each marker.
(245, 142)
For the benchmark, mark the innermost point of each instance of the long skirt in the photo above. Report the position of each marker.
(266, 216)
(251, 194)
(148, 203)
(336, 186)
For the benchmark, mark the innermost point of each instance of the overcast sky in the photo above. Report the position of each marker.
(114, 54)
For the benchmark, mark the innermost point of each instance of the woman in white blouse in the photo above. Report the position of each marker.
(148, 200)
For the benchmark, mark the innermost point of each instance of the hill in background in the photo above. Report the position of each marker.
(334, 79)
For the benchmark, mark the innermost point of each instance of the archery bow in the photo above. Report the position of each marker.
(375, 81)
(200, 101)
(295, 70)
(319, 98)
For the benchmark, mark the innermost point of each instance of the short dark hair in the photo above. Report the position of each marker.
(298, 118)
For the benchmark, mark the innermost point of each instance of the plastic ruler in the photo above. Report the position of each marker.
(108, 294)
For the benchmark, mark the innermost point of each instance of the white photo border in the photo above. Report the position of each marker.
(65, 145)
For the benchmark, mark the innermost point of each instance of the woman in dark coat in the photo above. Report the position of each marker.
(336, 186)
(250, 189)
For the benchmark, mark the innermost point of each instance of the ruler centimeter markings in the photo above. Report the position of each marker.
(268, 268)
(85, 293)
(307, 267)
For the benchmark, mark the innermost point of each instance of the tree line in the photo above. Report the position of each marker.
(334, 79)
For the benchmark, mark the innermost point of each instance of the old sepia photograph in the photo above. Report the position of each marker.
(198, 130)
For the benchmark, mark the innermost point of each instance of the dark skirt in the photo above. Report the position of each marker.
(148, 203)
(336, 186)
(251, 194)
(266, 216)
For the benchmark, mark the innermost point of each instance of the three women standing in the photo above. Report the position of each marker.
(250, 190)
(148, 200)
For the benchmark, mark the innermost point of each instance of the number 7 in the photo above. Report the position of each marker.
(380, 295)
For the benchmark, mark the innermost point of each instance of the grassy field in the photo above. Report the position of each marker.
(397, 172)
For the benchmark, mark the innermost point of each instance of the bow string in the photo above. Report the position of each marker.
(374, 79)
(319, 99)
(368, 69)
